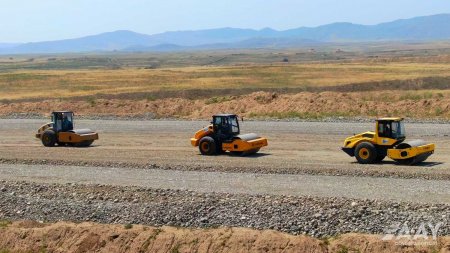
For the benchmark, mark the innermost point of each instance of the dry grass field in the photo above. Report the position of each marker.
(49, 84)
(410, 83)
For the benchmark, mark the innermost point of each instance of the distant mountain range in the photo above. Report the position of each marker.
(428, 28)
(9, 45)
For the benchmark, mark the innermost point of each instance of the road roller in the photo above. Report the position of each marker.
(388, 139)
(60, 131)
(223, 135)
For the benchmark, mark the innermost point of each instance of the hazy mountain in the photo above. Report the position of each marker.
(264, 42)
(436, 27)
(157, 48)
(102, 42)
(211, 36)
(259, 42)
(8, 45)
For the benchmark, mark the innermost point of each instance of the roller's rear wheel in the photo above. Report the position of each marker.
(84, 143)
(381, 154)
(366, 153)
(251, 152)
(49, 138)
(409, 161)
(413, 160)
(237, 153)
(207, 146)
(245, 153)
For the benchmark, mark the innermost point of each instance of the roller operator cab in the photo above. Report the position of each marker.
(387, 140)
(61, 131)
(223, 134)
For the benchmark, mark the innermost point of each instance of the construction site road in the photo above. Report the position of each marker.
(294, 148)
(146, 172)
(390, 189)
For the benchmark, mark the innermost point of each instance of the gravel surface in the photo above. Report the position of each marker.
(294, 148)
(302, 158)
(151, 117)
(190, 126)
(306, 169)
(297, 215)
(411, 190)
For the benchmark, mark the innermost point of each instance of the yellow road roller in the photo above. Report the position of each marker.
(60, 131)
(223, 134)
(387, 140)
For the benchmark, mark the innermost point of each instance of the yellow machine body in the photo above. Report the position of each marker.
(232, 141)
(53, 133)
(68, 137)
(200, 134)
(237, 145)
(387, 140)
(407, 153)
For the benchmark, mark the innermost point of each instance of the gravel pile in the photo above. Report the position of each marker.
(296, 215)
(361, 171)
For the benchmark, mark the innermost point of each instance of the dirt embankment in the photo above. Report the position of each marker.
(28, 236)
(418, 104)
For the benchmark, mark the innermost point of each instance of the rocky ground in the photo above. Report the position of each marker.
(295, 148)
(313, 216)
(367, 171)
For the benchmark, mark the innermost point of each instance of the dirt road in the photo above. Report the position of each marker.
(294, 147)
(310, 149)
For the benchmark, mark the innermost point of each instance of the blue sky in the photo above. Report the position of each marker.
(38, 20)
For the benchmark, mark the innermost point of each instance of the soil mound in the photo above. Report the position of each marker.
(28, 236)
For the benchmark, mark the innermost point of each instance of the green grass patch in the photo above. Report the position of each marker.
(411, 96)
(151, 238)
(5, 223)
(215, 100)
(343, 249)
(415, 96)
(175, 249)
(91, 101)
(14, 77)
(150, 98)
(438, 111)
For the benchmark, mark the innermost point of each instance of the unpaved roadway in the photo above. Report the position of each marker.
(294, 147)
(396, 189)
(146, 172)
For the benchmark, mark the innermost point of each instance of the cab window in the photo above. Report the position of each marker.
(398, 130)
(384, 129)
(234, 125)
(218, 121)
